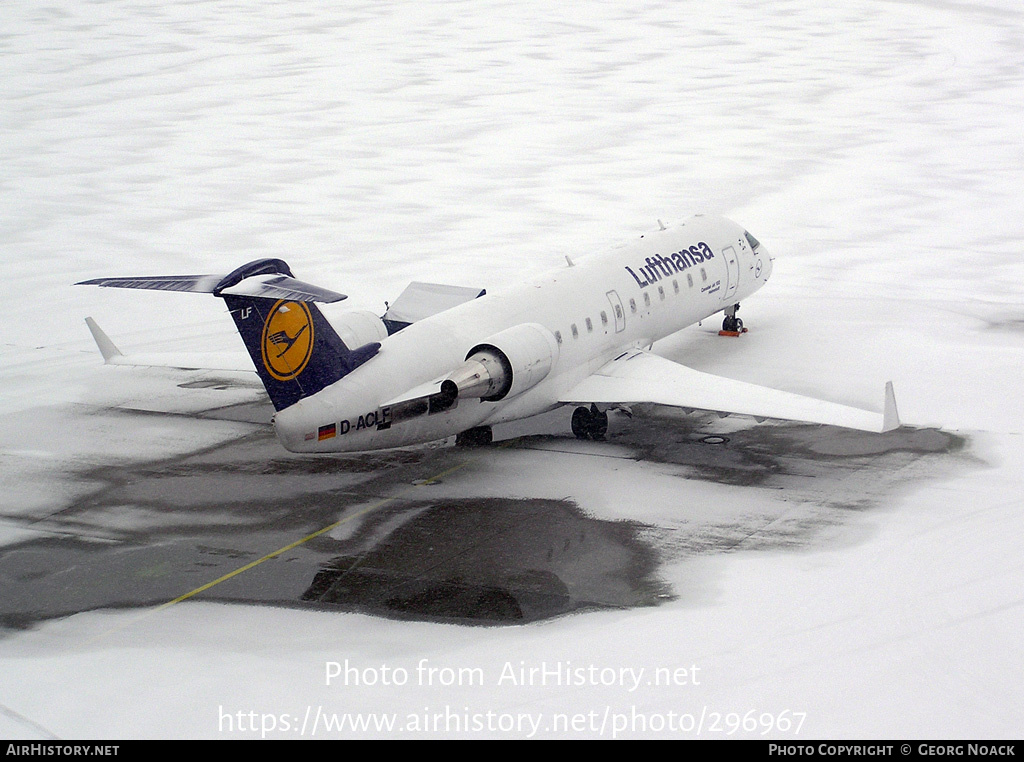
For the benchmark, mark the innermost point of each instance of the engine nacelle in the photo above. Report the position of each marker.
(505, 365)
(359, 327)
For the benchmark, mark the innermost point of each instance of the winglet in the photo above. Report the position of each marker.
(107, 347)
(891, 416)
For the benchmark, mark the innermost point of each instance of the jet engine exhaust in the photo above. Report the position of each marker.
(486, 374)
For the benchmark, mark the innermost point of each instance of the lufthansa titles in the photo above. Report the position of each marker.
(658, 266)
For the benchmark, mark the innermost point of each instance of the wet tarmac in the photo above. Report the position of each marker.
(493, 560)
(363, 533)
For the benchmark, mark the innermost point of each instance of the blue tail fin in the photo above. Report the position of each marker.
(295, 350)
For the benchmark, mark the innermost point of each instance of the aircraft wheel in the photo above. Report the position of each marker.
(731, 322)
(598, 423)
(581, 423)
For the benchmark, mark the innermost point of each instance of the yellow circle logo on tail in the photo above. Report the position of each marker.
(287, 340)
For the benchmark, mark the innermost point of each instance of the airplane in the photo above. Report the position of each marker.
(447, 360)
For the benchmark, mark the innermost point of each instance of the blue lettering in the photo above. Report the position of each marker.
(657, 267)
(639, 282)
(652, 269)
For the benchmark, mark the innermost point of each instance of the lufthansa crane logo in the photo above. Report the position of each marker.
(287, 340)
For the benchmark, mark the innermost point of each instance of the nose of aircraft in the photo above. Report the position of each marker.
(760, 259)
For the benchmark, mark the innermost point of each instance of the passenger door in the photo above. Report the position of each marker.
(732, 272)
(617, 311)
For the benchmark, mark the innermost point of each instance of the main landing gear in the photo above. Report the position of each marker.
(732, 325)
(589, 423)
(478, 436)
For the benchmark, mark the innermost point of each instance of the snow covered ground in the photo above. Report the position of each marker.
(876, 149)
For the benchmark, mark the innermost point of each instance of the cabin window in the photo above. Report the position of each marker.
(558, 336)
(575, 331)
(590, 326)
(689, 280)
(632, 306)
(675, 285)
(661, 292)
(703, 274)
(604, 317)
(647, 299)
(618, 312)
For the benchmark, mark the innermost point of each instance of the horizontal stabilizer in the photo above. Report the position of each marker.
(638, 376)
(283, 287)
(266, 286)
(200, 284)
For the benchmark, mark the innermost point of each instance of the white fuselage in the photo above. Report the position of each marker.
(632, 296)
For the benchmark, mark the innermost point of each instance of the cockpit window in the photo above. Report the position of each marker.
(754, 243)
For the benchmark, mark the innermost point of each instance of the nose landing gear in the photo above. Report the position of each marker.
(732, 325)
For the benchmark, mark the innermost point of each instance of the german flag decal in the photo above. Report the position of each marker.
(327, 432)
(287, 340)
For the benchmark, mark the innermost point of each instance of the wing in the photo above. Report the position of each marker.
(421, 300)
(192, 361)
(639, 376)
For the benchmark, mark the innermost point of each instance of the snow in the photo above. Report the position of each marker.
(875, 149)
